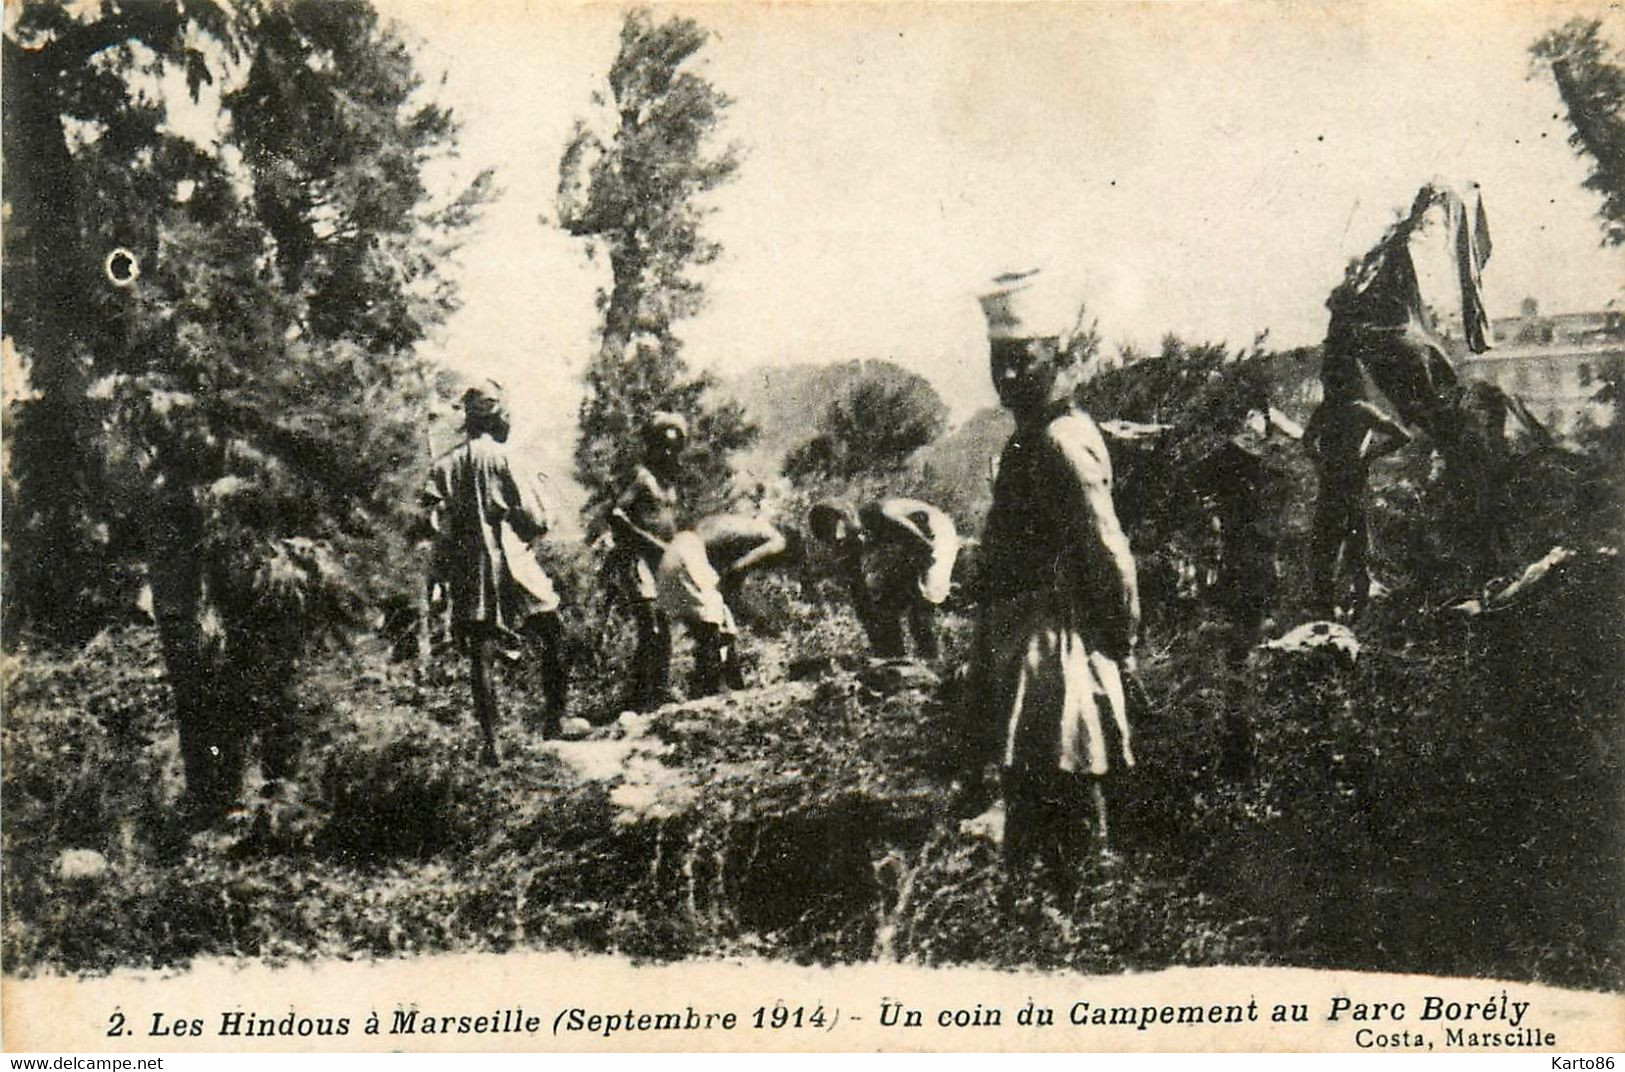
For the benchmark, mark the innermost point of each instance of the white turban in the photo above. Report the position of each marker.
(1031, 305)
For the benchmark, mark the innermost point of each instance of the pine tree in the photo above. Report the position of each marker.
(245, 416)
(637, 200)
(64, 89)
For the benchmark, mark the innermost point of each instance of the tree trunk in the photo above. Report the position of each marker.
(212, 750)
(621, 309)
(44, 255)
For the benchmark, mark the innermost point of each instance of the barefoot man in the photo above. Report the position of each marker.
(644, 521)
(485, 508)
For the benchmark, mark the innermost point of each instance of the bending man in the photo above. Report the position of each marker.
(896, 557)
(699, 578)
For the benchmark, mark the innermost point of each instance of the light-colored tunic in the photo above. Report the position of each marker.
(486, 508)
(901, 563)
(688, 585)
(1063, 704)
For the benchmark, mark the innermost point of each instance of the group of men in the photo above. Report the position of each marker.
(894, 556)
(1058, 616)
(1055, 630)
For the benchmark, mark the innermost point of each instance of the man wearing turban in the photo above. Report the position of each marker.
(485, 509)
(1060, 604)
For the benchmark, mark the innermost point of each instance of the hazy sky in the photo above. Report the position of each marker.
(1206, 169)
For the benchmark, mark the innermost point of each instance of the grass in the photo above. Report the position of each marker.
(1441, 808)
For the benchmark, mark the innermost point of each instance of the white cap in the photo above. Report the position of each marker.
(1031, 305)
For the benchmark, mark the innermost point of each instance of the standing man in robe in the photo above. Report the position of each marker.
(1238, 477)
(1060, 607)
(1382, 333)
(485, 508)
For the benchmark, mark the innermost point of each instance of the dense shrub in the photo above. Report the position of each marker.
(882, 417)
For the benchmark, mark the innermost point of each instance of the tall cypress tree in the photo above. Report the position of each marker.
(638, 200)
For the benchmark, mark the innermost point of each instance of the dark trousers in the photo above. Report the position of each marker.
(710, 655)
(1051, 817)
(887, 633)
(481, 645)
(544, 635)
(883, 613)
(716, 661)
(651, 662)
(1338, 547)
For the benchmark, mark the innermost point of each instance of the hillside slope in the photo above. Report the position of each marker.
(812, 817)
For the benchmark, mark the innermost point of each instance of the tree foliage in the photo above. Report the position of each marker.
(884, 416)
(65, 90)
(636, 195)
(244, 421)
(623, 390)
(1590, 76)
(1202, 393)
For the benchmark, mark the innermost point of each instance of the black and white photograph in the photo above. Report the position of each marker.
(786, 527)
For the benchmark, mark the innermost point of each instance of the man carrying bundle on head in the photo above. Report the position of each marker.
(1382, 334)
(896, 558)
(1060, 606)
(485, 508)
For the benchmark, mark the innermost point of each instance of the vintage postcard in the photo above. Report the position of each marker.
(799, 527)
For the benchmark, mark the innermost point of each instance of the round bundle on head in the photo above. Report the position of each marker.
(1031, 305)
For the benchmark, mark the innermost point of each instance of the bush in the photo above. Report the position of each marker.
(885, 415)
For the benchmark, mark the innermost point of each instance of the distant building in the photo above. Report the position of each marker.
(1553, 363)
